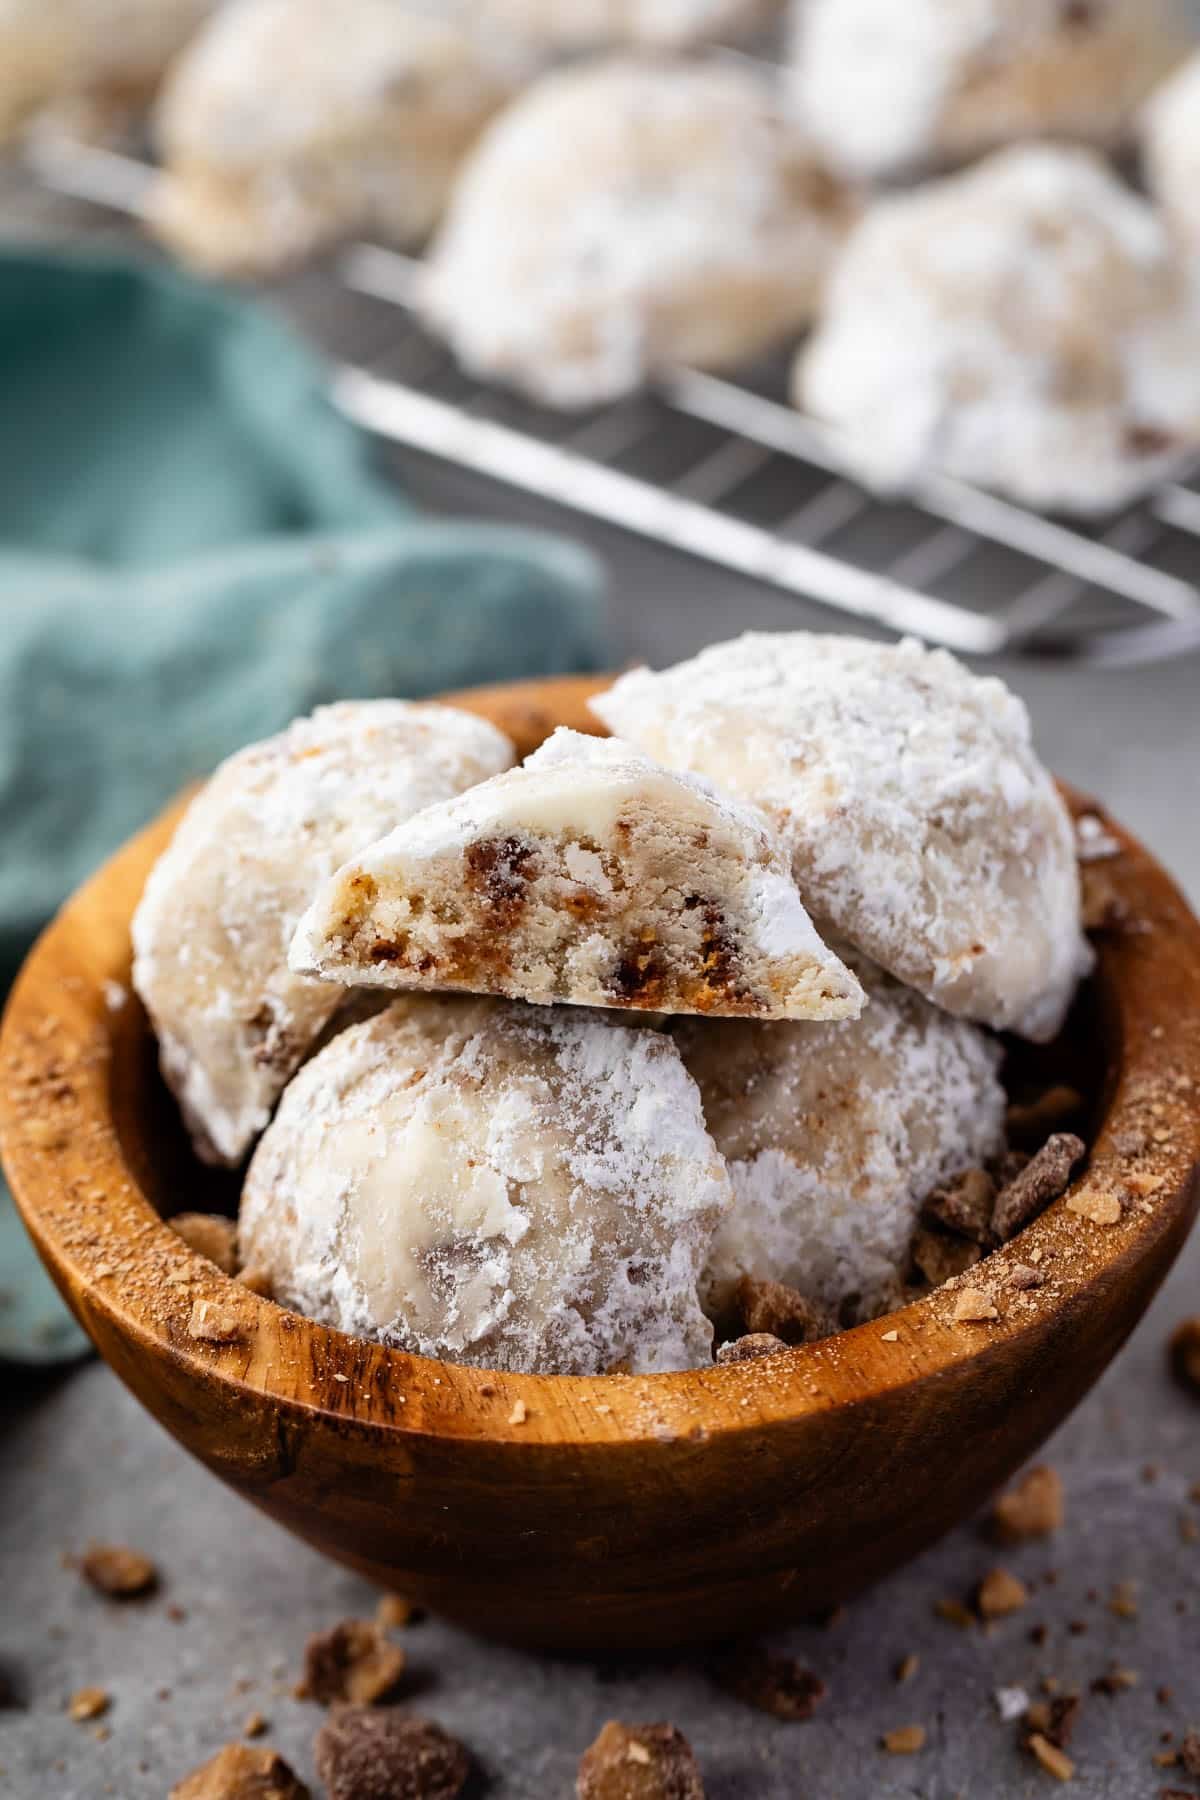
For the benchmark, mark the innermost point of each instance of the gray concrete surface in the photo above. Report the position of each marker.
(78, 1460)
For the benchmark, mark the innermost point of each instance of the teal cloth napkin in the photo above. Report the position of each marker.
(194, 548)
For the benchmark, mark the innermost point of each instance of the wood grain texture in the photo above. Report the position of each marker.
(627, 1511)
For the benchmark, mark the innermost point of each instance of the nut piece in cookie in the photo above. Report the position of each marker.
(588, 876)
(241, 1772)
(922, 827)
(212, 930)
(382, 1753)
(524, 1188)
(639, 1762)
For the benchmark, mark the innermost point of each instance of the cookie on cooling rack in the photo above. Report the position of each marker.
(623, 217)
(520, 1188)
(292, 123)
(834, 1134)
(589, 876)
(1024, 325)
(923, 830)
(886, 87)
(212, 931)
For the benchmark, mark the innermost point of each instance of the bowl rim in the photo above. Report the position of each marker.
(127, 1274)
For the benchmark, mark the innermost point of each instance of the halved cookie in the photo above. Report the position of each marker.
(589, 876)
(211, 933)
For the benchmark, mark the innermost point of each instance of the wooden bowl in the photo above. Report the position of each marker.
(624, 1511)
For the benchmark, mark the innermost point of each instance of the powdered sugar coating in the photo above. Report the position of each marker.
(212, 930)
(834, 1134)
(53, 50)
(1024, 325)
(662, 24)
(1170, 133)
(589, 876)
(922, 827)
(883, 87)
(520, 1189)
(368, 112)
(690, 222)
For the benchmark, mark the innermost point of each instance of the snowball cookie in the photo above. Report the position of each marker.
(211, 934)
(591, 876)
(110, 52)
(921, 825)
(834, 1135)
(360, 125)
(688, 223)
(1171, 151)
(512, 1187)
(883, 87)
(1024, 326)
(579, 24)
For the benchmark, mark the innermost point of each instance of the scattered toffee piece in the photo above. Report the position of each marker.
(1183, 1352)
(211, 1235)
(1053, 1720)
(1189, 1753)
(747, 1349)
(1115, 1681)
(382, 1753)
(396, 1611)
(907, 1667)
(974, 1306)
(352, 1661)
(1123, 1601)
(254, 1725)
(1044, 1177)
(638, 1762)
(1102, 1207)
(771, 1682)
(1029, 1122)
(770, 1308)
(88, 1703)
(240, 1772)
(939, 1258)
(117, 1572)
(1055, 1761)
(963, 1205)
(1033, 1508)
(905, 1740)
(215, 1322)
(1000, 1594)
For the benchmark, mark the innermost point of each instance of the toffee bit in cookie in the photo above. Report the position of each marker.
(904, 1740)
(639, 1762)
(771, 1682)
(382, 1753)
(1029, 1122)
(1000, 1594)
(352, 1661)
(210, 1235)
(770, 1308)
(215, 1322)
(1042, 1179)
(750, 1347)
(974, 1306)
(963, 1205)
(1033, 1508)
(1183, 1352)
(240, 1772)
(939, 1258)
(118, 1572)
(88, 1703)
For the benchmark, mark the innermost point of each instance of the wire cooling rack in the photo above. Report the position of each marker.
(721, 469)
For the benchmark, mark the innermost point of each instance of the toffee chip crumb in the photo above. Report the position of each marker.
(239, 1772)
(1115, 1681)
(209, 1234)
(1032, 1509)
(1056, 1762)
(1102, 1206)
(1044, 1177)
(254, 1725)
(1183, 1353)
(353, 1661)
(771, 1682)
(1000, 1594)
(383, 1753)
(749, 1348)
(771, 1308)
(395, 1611)
(974, 1306)
(638, 1762)
(1054, 1719)
(88, 1703)
(963, 1205)
(1189, 1753)
(904, 1740)
(118, 1572)
(215, 1322)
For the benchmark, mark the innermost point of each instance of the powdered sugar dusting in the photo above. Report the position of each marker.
(518, 1189)
(921, 825)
